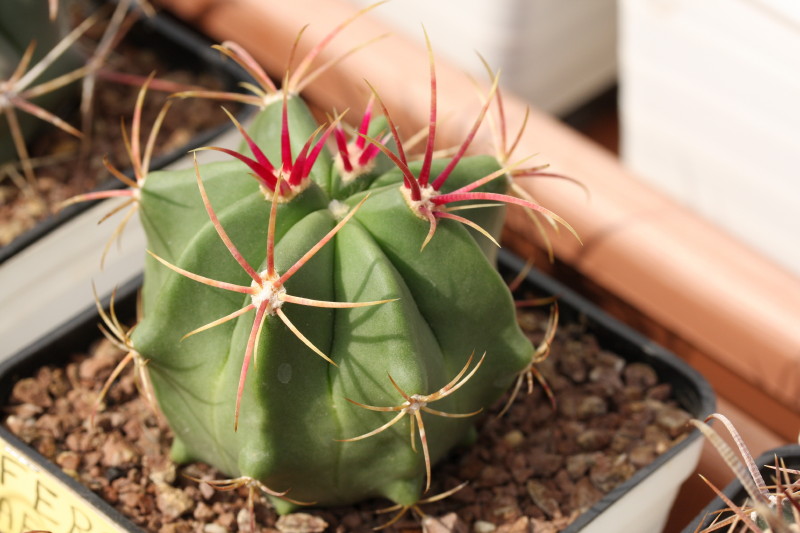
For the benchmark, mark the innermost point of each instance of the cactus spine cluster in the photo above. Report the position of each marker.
(302, 307)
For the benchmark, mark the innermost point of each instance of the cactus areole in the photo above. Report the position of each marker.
(302, 307)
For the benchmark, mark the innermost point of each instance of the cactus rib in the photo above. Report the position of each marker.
(267, 291)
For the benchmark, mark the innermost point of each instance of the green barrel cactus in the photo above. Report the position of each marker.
(299, 302)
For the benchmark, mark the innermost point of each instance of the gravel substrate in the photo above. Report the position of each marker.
(532, 469)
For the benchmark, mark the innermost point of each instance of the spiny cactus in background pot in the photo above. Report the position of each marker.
(38, 65)
(298, 304)
(770, 508)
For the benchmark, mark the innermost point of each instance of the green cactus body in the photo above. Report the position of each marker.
(296, 424)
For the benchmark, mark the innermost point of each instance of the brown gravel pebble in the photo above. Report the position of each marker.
(640, 375)
(300, 523)
(117, 452)
(482, 526)
(521, 525)
(203, 512)
(584, 495)
(532, 470)
(449, 523)
(594, 439)
(28, 390)
(673, 420)
(172, 502)
(544, 498)
(610, 471)
(642, 455)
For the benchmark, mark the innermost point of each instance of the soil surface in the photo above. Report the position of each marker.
(61, 171)
(534, 469)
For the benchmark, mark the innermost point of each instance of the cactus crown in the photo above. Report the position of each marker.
(287, 251)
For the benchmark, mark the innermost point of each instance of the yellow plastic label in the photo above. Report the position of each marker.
(32, 499)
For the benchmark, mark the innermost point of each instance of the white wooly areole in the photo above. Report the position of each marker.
(710, 112)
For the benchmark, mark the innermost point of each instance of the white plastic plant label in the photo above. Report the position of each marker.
(31, 498)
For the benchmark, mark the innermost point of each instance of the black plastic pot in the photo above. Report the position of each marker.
(790, 454)
(187, 50)
(692, 392)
